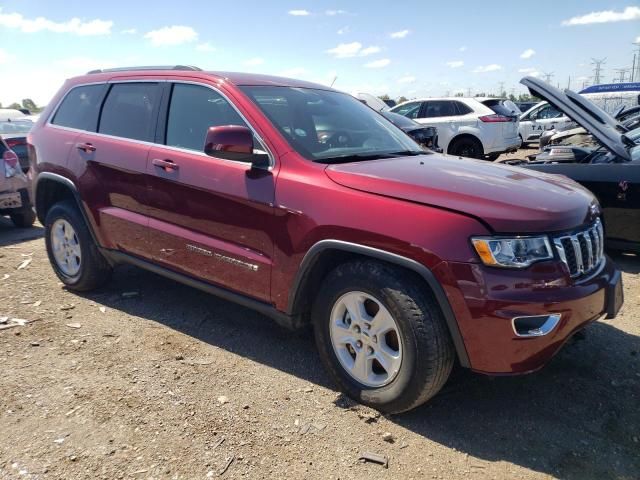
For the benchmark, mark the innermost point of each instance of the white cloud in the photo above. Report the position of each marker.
(205, 47)
(407, 79)
(400, 34)
(528, 53)
(494, 67)
(299, 13)
(74, 26)
(333, 13)
(638, 40)
(455, 64)
(343, 30)
(369, 51)
(293, 72)
(383, 62)
(353, 49)
(463, 48)
(605, 16)
(129, 31)
(174, 35)
(252, 62)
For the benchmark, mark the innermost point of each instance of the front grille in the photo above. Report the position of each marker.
(583, 251)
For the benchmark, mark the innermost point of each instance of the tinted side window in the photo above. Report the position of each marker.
(80, 108)
(193, 109)
(549, 111)
(410, 110)
(462, 108)
(440, 108)
(130, 111)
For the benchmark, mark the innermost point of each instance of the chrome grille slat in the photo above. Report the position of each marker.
(582, 251)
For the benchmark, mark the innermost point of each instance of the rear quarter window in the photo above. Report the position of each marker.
(80, 108)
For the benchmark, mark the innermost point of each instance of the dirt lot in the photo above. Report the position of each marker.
(173, 383)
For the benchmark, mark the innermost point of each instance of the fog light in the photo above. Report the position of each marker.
(535, 326)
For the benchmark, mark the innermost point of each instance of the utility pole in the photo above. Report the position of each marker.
(622, 72)
(548, 76)
(469, 92)
(569, 83)
(597, 69)
(635, 71)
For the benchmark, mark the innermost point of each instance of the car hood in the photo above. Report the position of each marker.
(585, 113)
(508, 199)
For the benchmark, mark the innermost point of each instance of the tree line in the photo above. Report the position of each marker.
(27, 104)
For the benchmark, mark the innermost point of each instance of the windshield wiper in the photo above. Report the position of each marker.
(359, 157)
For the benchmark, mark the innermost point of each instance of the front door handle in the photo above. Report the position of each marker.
(166, 165)
(86, 147)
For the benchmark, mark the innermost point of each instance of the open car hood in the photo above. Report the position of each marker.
(596, 121)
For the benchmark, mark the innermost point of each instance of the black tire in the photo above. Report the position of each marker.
(24, 219)
(94, 271)
(466, 147)
(428, 354)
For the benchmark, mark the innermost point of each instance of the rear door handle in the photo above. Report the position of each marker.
(86, 147)
(166, 165)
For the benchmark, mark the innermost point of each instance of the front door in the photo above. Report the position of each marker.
(210, 218)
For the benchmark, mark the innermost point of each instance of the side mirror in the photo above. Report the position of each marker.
(234, 142)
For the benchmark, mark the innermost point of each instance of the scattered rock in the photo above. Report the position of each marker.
(308, 390)
(388, 437)
(103, 309)
(64, 308)
(222, 399)
(74, 325)
(34, 344)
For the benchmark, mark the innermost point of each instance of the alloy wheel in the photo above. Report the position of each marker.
(366, 339)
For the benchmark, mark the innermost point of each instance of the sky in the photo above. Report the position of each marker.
(411, 48)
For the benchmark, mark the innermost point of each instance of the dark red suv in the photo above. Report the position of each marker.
(303, 203)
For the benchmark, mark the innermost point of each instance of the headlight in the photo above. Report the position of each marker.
(512, 252)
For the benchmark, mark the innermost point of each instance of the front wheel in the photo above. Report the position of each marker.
(72, 252)
(381, 336)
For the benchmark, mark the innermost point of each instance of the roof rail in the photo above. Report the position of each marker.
(138, 69)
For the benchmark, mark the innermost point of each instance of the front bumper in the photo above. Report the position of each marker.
(487, 300)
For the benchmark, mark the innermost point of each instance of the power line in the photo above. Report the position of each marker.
(597, 69)
(548, 76)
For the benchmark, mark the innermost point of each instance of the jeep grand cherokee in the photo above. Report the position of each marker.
(301, 202)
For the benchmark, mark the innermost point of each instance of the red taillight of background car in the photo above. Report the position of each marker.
(12, 142)
(11, 164)
(496, 118)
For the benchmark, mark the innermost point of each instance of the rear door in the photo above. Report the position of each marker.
(545, 117)
(210, 217)
(448, 116)
(113, 182)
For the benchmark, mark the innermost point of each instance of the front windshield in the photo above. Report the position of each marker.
(329, 126)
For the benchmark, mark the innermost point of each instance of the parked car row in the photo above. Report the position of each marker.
(301, 202)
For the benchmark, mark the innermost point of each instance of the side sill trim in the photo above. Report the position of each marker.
(307, 264)
(264, 308)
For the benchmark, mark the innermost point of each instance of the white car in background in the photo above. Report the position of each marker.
(466, 126)
(535, 121)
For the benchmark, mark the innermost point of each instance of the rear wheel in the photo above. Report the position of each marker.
(466, 147)
(23, 219)
(383, 339)
(73, 254)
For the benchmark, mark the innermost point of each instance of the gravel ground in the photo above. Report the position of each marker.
(174, 383)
